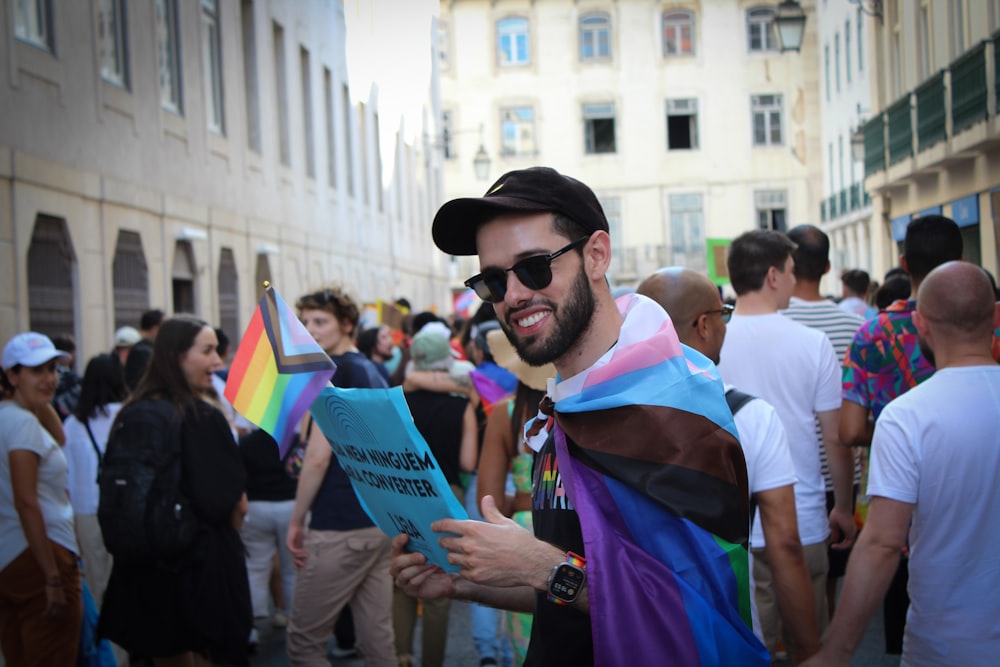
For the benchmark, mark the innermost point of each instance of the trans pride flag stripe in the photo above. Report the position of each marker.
(278, 370)
(650, 460)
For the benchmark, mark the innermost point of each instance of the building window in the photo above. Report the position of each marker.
(826, 68)
(212, 66)
(682, 124)
(847, 50)
(924, 35)
(331, 144)
(52, 268)
(760, 29)
(281, 93)
(251, 92)
(129, 279)
(771, 208)
(345, 98)
(687, 237)
(766, 120)
(678, 33)
(111, 35)
(168, 55)
(517, 131)
(443, 44)
(512, 42)
(307, 114)
(958, 28)
(33, 22)
(861, 44)
(595, 37)
(836, 59)
(599, 128)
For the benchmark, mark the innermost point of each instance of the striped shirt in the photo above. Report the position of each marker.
(840, 327)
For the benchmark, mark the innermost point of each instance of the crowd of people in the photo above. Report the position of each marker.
(665, 475)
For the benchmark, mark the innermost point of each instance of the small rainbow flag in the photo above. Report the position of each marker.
(278, 370)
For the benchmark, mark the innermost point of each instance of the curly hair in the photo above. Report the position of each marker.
(335, 301)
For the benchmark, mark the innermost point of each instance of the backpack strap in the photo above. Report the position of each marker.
(97, 451)
(736, 399)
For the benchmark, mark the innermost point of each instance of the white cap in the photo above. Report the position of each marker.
(30, 349)
(127, 337)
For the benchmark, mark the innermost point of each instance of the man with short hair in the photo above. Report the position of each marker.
(934, 480)
(640, 503)
(141, 353)
(692, 301)
(795, 369)
(807, 306)
(885, 361)
(855, 285)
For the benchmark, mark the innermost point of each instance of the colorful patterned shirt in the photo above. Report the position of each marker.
(884, 360)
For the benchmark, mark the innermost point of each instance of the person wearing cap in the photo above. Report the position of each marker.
(612, 572)
(40, 592)
(125, 338)
(142, 350)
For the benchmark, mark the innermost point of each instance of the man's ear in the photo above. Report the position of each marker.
(597, 255)
(920, 322)
(771, 278)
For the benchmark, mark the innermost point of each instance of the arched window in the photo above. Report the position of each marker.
(678, 33)
(513, 44)
(760, 29)
(129, 279)
(595, 37)
(51, 268)
(229, 297)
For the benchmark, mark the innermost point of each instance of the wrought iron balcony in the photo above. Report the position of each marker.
(968, 89)
(843, 201)
(900, 122)
(874, 131)
(930, 112)
(822, 211)
(855, 196)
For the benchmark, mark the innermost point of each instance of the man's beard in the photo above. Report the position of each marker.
(570, 320)
(927, 351)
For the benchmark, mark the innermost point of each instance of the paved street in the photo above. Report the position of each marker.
(460, 652)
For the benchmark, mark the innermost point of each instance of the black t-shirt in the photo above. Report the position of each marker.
(560, 634)
(266, 475)
(336, 507)
(439, 417)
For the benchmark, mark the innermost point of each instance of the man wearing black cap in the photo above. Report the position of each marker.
(543, 246)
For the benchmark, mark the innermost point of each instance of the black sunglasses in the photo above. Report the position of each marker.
(726, 313)
(534, 272)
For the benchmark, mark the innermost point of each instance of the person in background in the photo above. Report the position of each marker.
(194, 607)
(855, 288)
(376, 344)
(125, 338)
(895, 288)
(448, 424)
(101, 397)
(41, 606)
(68, 387)
(224, 353)
(142, 351)
(507, 455)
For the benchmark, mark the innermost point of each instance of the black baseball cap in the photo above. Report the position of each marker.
(536, 189)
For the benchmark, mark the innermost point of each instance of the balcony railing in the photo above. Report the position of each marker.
(822, 211)
(900, 122)
(930, 112)
(843, 201)
(874, 131)
(968, 89)
(855, 196)
(831, 206)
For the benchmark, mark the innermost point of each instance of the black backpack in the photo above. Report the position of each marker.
(143, 513)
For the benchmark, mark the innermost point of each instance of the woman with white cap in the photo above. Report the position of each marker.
(40, 599)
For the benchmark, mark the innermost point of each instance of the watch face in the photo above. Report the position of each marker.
(566, 582)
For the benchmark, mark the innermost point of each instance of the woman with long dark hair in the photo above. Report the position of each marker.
(101, 395)
(192, 609)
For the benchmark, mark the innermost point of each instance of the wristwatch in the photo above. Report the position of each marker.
(567, 579)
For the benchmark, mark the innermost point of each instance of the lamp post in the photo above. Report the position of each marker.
(790, 22)
(480, 162)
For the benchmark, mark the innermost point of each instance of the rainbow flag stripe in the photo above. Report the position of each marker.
(650, 460)
(278, 370)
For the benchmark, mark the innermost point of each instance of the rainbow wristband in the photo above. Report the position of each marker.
(575, 560)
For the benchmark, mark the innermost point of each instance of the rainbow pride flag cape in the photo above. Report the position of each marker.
(278, 370)
(651, 461)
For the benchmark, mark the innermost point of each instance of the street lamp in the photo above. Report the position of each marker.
(790, 22)
(480, 162)
(858, 136)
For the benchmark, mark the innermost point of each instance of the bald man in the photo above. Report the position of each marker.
(935, 470)
(700, 317)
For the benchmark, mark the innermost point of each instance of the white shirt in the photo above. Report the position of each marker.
(20, 430)
(81, 460)
(795, 369)
(938, 447)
